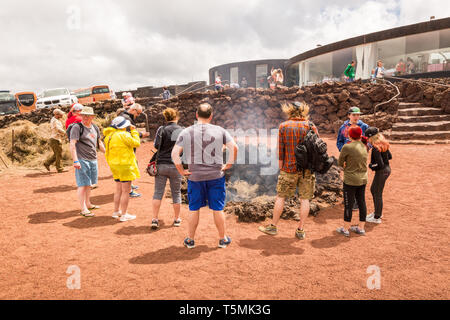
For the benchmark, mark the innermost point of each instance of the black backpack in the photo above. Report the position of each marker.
(311, 154)
(69, 128)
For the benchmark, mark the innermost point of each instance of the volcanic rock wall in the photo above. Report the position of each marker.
(261, 108)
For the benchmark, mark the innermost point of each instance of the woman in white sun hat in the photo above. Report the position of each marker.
(119, 144)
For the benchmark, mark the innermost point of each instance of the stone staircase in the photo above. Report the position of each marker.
(419, 125)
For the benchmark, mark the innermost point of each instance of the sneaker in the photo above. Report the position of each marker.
(127, 217)
(177, 223)
(372, 219)
(357, 230)
(189, 243)
(155, 224)
(134, 187)
(341, 230)
(225, 242)
(134, 194)
(301, 234)
(116, 215)
(94, 186)
(47, 167)
(371, 215)
(270, 229)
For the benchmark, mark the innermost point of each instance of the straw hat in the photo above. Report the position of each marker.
(87, 111)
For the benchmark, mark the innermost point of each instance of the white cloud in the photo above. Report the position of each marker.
(140, 43)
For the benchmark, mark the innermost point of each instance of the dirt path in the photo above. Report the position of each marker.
(42, 235)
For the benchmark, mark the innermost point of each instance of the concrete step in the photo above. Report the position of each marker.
(419, 112)
(409, 105)
(408, 119)
(420, 135)
(422, 126)
(422, 142)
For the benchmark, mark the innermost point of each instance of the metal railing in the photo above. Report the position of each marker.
(385, 102)
(421, 81)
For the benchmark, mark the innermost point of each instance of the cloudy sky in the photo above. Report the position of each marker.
(78, 43)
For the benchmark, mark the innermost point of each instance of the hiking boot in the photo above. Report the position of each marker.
(225, 242)
(372, 219)
(270, 229)
(357, 230)
(341, 230)
(47, 167)
(177, 223)
(300, 234)
(134, 194)
(127, 217)
(155, 224)
(189, 243)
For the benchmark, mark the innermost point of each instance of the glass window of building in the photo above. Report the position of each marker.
(423, 54)
(392, 53)
(261, 76)
(341, 59)
(318, 69)
(234, 75)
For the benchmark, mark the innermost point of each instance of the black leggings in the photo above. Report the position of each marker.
(377, 190)
(350, 193)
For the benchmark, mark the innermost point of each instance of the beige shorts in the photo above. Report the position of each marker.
(288, 183)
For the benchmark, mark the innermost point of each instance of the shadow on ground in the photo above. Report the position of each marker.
(51, 216)
(132, 230)
(91, 222)
(171, 254)
(102, 199)
(56, 189)
(272, 245)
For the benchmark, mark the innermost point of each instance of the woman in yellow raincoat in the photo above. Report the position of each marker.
(121, 159)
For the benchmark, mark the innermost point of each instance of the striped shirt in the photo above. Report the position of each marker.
(290, 134)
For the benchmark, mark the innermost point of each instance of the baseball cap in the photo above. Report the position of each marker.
(120, 123)
(354, 110)
(371, 131)
(77, 107)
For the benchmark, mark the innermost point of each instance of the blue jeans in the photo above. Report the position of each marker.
(88, 174)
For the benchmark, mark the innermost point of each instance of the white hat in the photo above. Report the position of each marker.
(120, 123)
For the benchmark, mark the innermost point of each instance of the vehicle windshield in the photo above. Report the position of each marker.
(100, 90)
(6, 96)
(26, 99)
(55, 92)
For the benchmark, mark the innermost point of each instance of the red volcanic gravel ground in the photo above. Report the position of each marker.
(42, 234)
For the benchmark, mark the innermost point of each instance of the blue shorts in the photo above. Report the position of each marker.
(88, 174)
(211, 192)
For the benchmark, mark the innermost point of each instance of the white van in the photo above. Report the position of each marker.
(54, 97)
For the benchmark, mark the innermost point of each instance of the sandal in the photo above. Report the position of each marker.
(87, 214)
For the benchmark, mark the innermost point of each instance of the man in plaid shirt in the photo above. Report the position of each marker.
(290, 134)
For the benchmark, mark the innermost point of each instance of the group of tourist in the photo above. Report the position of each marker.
(201, 146)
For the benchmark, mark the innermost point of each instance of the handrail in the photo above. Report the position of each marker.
(187, 89)
(416, 80)
(385, 102)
